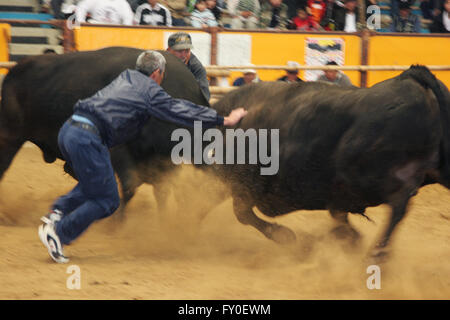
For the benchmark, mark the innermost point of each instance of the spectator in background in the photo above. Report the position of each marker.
(216, 11)
(395, 6)
(273, 15)
(291, 75)
(346, 17)
(293, 6)
(190, 5)
(245, 13)
(180, 45)
(177, 10)
(430, 9)
(405, 21)
(304, 22)
(202, 17)
(316, 8)
(327, 21)
(249, 76)
(153, 13)
(335, 76)
(104, 11)
(441, 23)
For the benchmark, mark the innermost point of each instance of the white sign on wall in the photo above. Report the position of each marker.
(234, 49)
(319, 51)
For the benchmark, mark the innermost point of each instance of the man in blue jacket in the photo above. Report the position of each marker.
(112, 116)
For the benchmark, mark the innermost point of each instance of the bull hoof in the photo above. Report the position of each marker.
(346, 232)
(281, 235)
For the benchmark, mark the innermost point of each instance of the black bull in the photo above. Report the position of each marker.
(39, 93)
(342, 149)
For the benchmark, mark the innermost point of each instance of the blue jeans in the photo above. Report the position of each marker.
(96, 195)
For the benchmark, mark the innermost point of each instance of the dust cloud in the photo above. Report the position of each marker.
(196, 249)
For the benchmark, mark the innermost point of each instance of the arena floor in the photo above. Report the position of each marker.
(152, 257)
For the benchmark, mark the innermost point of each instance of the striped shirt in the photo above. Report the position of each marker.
(159, 15)
(246, 5)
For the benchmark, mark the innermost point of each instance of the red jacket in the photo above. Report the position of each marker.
(317, 9)
(307, 24)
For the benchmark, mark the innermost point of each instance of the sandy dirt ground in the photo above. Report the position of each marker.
(147, 256)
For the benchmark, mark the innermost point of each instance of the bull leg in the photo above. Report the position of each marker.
(8, 149)
(161, 192)
(343, 230)
(124, 167)
(245, 215)
(129, 182)
(399, 207)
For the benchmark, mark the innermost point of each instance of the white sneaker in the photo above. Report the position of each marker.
(51, 241)
(52, 217)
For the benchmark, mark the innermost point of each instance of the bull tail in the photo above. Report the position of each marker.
(426, 79)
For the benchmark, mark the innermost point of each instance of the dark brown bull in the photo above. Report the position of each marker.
(342, 149)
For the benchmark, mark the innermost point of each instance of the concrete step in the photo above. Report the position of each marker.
(36, 35)
(19, 49)
(20, 5)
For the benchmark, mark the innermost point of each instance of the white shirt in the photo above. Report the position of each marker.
(350, 22)
(105, 11)
(446, 20)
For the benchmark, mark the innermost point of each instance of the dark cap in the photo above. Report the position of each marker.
(180, 41)
(331, 63)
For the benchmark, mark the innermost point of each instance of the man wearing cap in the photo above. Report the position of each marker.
(249, 76)
(335, 76)
(180, 45)
(291, 75)
(111, 117)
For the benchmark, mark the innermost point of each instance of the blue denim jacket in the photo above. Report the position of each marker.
(121, 109)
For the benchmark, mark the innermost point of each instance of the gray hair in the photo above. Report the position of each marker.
(150, 61)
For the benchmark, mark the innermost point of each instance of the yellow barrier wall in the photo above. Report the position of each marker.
(5, 37)
(395, 50)
(270, 48)
(278, 48)
(93, 38)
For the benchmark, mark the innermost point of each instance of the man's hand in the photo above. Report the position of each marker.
(234, 117)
